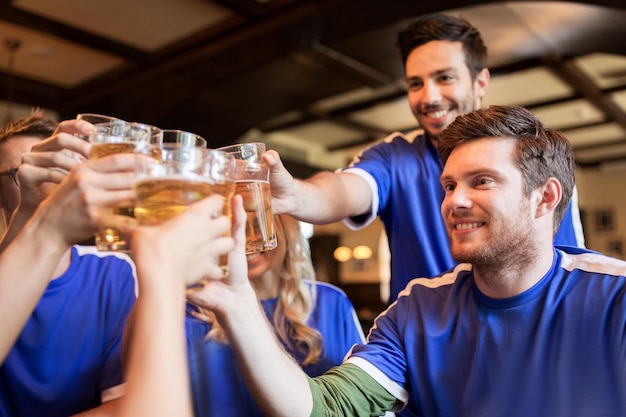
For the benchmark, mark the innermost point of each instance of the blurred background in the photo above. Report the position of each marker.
(320, 80)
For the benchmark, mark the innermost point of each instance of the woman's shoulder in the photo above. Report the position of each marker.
(327, 293)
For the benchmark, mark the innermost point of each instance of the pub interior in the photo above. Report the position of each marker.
(318, 81)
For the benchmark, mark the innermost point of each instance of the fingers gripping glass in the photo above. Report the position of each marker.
(13, 173)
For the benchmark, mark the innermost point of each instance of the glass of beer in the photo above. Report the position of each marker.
(179, 138)
(94, 119)
(112, 138)
(183, 176)
(252, 177)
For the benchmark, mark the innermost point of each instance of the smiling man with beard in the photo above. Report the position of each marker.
(397, 179)
(521, 328)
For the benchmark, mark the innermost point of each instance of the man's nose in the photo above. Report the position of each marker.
(431, 93)
(457, 199)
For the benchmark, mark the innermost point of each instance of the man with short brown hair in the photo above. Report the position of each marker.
(67, 359)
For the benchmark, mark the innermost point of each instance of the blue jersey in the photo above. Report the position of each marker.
(67, 358)
(557, 349)
(403, 173)
(218, 387)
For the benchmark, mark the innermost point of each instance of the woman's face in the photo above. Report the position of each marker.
(261, 262)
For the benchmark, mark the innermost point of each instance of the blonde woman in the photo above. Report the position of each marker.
(315, 322)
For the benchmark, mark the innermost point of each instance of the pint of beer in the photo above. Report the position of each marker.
(252, 179)
(183, 176)
(119, 137)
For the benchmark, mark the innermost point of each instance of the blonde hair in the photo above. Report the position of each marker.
(295, 298)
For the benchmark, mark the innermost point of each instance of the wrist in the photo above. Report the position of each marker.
(239, 306)
(156, 275)
(39, 225)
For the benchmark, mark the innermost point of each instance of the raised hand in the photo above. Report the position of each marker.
(81, 204)
(222, 293)
(186, 246)
(282, 183)
(49, 161)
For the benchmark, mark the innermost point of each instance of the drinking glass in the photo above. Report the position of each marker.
(108, 139)
(184, 175)
(94, 119)
(252, 177)
(179, 138)
(156, 133)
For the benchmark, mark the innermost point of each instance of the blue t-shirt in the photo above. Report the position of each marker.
(218, 387)
(403, 172)
(67, 358)
(557, 349)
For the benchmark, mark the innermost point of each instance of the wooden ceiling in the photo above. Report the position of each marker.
(317, 80)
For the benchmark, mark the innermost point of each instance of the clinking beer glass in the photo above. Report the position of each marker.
(108, 139)
(252, 179)
(184, 175)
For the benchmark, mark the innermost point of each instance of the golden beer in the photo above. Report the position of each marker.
(112, 239)
(162, 198)
(260, 233)
(101, 150)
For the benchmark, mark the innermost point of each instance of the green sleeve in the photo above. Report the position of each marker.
(347, 390)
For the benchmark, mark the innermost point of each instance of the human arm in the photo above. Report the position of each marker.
(169, 257)
(70, 214)
(43, 168)
(349, 390)
(25, 269)
(346, 388)
(326, 197)
(257, 351)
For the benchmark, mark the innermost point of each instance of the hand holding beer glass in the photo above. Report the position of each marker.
(108, 139)
(252, 179)
(183, 176)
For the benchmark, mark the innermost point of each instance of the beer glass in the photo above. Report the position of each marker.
(179, 138)
(252, 180)
(94, 119)
(183, 176)
(108, 139)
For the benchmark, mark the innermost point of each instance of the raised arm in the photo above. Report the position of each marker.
(270, 373)
(169, 257)
(25, 267)
(326, 197)
(70, 214)
(279, 386)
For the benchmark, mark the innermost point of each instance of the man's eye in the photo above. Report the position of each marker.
(446, 78)
(448, 187)
(413, 84)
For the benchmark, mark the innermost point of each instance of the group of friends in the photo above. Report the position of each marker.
(496, 307)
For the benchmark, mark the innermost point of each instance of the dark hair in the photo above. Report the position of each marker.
(441, 27)
(540, 153)
(36, 125)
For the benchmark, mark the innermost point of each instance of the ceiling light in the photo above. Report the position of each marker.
(343, 254)
(362, 252)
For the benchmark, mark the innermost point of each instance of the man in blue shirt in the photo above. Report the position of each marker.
(520, 328)
(66, 359)
(397, 179)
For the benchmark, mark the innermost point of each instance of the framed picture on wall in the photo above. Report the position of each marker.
(605, 219)
(615, 248)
